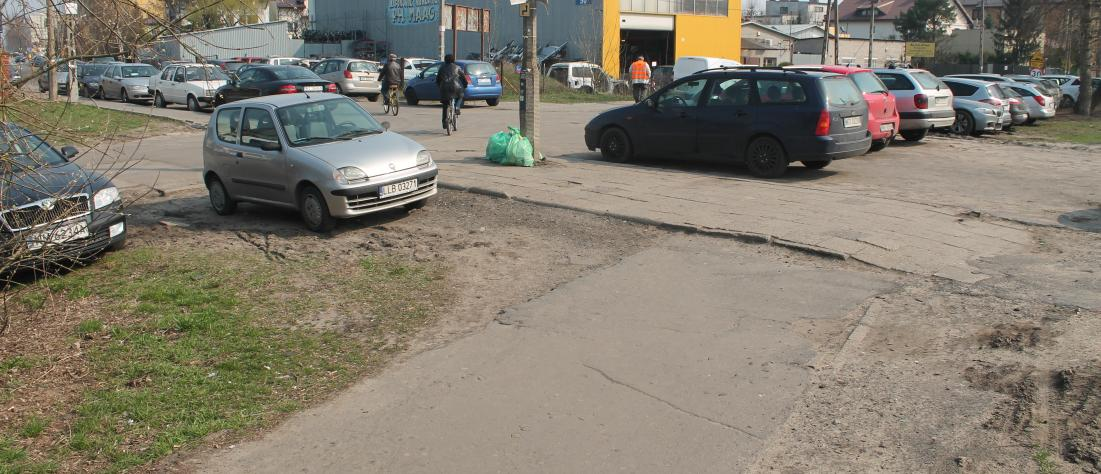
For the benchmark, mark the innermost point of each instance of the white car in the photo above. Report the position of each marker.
(288, 61)
(190, 84)
(1069, 85)
(585, 77)
(411, 67)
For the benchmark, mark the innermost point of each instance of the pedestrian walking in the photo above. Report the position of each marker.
(640, 78)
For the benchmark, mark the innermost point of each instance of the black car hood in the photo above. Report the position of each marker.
(17, 189)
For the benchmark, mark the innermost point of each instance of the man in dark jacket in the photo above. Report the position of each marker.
(391, 75)
(452, 83)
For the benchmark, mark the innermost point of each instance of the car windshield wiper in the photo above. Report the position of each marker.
(356, 133)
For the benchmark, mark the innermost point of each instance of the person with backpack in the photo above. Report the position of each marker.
(452, 83)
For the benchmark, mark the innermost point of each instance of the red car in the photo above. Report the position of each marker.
(882, 113)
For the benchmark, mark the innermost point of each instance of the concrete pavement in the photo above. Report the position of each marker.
(685, 357)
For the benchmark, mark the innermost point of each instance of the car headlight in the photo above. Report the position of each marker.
(424, 159)
(93, 84)
(349, 174)
(105, 197)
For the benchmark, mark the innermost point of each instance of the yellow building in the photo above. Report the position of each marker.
(663, 30)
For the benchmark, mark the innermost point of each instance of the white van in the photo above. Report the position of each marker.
(688, 65)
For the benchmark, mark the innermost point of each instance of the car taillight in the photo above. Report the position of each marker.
(287, 89)
(330, 88)
(1039, 100)
(994, 102)
(1014, 100)
(347, 74)
(468, 80)
(921, 101)
(823, 127)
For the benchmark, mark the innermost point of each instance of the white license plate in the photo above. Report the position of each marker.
(363, 78)
(886, 127)
(313, 89)
(941, 101)
(485, 82)
(57, 235)
(397, 188)
(851, 122)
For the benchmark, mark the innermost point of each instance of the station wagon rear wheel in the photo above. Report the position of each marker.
(158, 101)
(913, 135)
(315, 212)
(615, 146)
(765, 158)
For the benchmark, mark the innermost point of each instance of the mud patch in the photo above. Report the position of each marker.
(1060, 409)
(1014, 336)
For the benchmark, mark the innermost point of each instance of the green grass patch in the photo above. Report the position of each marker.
(199, 343)
(1065, 128)
(62, 122)
(553, 91)
(89, 327)
(17, 362)
(34, 427)
(1045, 464)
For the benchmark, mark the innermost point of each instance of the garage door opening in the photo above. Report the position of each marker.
(654, 45)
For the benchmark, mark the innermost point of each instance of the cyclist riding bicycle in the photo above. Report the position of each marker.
(391, 76)
(452, 83)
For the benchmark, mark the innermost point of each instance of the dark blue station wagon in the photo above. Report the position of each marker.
(765, 119)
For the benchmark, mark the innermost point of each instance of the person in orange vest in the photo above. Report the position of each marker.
(640, 78)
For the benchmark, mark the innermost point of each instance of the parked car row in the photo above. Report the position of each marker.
(768, 118)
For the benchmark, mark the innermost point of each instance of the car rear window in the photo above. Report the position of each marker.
(927, 81)
(868, 82)
(291, 73)
(362, 66)
(960, 89)
(780, 92)
(995, 91)
(895, 82)
(841, 91)
(480, 69)
(582, 72)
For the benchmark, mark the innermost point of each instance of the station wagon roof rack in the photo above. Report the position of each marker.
(752, 68)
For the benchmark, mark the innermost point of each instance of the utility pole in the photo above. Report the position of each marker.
(826, 36)
(529, 83)
(982, 31)
(443, 30)
(51, 48)
(836, 33)
(871, 34)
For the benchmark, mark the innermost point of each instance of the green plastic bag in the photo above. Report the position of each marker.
(519, 152)
(497, 148)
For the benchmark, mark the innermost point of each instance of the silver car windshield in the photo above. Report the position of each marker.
(313, 123)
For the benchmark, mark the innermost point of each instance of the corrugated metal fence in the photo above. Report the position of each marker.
(262, 39)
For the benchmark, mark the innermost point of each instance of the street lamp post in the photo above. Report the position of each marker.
(871, 33)
(982, 31)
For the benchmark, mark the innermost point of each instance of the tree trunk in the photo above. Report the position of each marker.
(1087, 55)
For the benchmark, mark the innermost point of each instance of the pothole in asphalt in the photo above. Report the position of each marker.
(1088, 220)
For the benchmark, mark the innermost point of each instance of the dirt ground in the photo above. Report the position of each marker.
(498, 253)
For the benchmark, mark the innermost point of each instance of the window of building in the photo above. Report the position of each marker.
(689, 7)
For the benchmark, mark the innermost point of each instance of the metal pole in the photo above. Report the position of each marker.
(826, 36)
(455, 31)
(982, 29)
(871, 34)
(528, 116)
(51, 50)
(443, 29)
(836, 34)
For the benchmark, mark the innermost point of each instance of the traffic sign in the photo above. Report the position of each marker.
(1037, 60)
(920, 50)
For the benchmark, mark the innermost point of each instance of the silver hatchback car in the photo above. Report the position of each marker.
(351, 76)
(320, 154)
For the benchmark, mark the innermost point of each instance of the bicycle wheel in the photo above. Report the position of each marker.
(394, 102)
(385, 105)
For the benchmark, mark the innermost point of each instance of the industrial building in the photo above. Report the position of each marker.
(607, 32)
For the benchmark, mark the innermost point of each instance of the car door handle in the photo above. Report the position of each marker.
(741, 113)
(240, 155)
